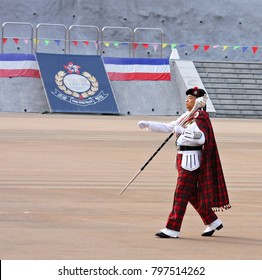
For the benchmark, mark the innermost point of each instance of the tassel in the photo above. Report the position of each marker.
(221, 208)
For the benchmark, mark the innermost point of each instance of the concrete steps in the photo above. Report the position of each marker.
(233, 87)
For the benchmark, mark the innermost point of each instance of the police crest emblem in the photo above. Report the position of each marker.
(75, 87)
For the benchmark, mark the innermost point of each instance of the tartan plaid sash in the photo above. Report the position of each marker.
(212, 188)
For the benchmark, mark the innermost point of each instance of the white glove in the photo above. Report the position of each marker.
(179, 129)
(201, 101)
(143, 124)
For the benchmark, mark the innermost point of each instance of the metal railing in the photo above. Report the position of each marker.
(46, 32)
(127, 33)
(16, 25)
(154, 30)
(87, 36)
(52, 28)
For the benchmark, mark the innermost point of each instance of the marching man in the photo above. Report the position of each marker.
(200, 176)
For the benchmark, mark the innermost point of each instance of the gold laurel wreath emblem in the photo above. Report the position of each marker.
(59, 77)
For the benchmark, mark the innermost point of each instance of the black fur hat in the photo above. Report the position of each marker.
(195, 91)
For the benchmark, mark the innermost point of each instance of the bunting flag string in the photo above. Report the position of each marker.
(16, 40)
(254, 49)
(155, 46)
(196, 47)
(57, 42)
(36, 42)
(135, 45)
(244, 49)
(206, 47)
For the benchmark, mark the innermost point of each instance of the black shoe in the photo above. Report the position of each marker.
(210, 233)
(163, 235)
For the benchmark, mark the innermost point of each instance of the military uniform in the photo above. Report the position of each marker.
(200, 176)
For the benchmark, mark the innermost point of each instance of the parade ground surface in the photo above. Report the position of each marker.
(61, 175)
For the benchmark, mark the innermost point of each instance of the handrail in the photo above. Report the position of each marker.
(53, 25)
(87, 27)
(18, 23)
(120, 28)
(151, 29)
(68, 32)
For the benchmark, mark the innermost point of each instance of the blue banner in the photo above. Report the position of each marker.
(76, 84)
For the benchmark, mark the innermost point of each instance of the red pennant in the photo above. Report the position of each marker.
(86, 43)
(4, 40)
(196, 47)
(75, 43)
(135, 45)
(206, 47)
(145, 46)
(254, 49)
(16, 40)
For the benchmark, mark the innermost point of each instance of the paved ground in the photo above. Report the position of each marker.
(60, 178)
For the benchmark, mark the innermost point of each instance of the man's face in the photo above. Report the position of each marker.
(190, 102)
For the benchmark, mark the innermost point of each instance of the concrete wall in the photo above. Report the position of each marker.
(22, 95)
(221, 22)
(132, 97)
(231, 23)
(149, 97)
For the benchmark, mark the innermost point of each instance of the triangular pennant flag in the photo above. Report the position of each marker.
(216, 46)
(4, 40)
(75, 43)
(57, 42)
(196, 47)
(206, 47)
(236, 47)
(164, 45)
(47, 42)
(155, 46)
(26, 41)
(134, 45)
(173, 46)
(35, 41)
(106, 44)
(182, 45)
(244, 49)
(116, 44)
(16, 40)
(124, 44)
(145, 46)
(224, 48)
(86, 43)
(254, 49)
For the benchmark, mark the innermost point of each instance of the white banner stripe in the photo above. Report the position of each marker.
(109, 67)
(137, 68)
(26, 64)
